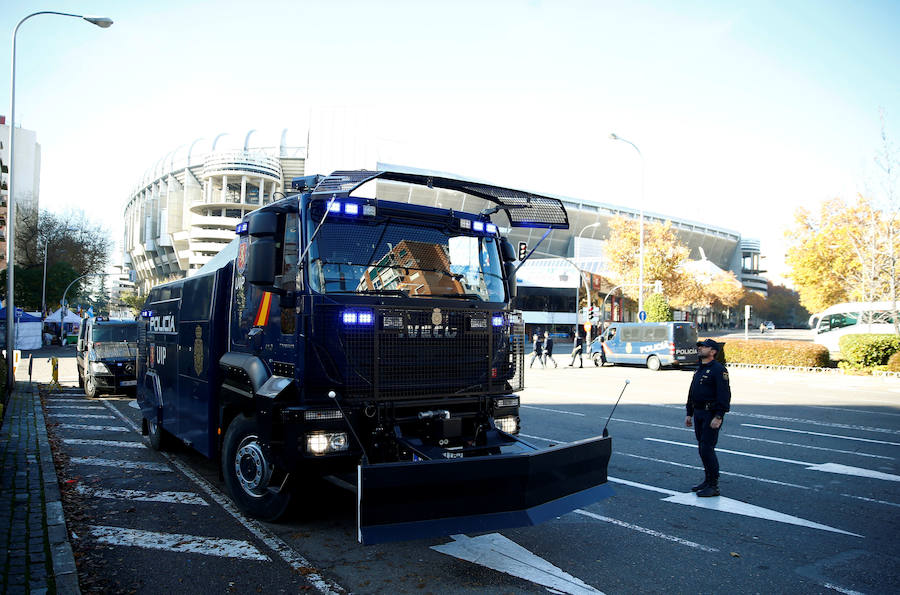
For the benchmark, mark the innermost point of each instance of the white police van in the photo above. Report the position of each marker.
(652, 344)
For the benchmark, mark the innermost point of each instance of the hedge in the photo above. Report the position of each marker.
(775, 353)
(869, 349)
(893, 364)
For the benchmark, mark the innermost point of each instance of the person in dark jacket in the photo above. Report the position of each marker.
(538, 350)
(709, 399)
(548, 350)
(577, 349)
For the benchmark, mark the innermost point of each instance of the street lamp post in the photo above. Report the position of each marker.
(102, 22)
(614, 136)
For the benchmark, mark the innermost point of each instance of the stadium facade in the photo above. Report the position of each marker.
(188, 204)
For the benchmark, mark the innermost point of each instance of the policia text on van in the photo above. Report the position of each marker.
(342, 334)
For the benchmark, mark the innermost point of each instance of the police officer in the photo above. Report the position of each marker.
(709, 398)
(537, 351)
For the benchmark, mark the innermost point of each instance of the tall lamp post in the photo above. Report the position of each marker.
(614, 136)
(102, 22)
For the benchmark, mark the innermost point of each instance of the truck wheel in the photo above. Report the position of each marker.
(653, 363)
(159, 438)
(90, 387)
(248, 473)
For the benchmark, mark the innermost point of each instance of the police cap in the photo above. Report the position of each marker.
(708, 343)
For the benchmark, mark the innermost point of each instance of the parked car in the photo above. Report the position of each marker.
(770, 326)
(105, 355)
(653, 344)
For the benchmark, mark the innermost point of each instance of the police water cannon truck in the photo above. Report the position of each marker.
(368, 339)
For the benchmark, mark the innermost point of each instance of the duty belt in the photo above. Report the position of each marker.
(705, 405)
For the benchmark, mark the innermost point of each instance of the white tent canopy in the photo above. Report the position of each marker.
(68, 317)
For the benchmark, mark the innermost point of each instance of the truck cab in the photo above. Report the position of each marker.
(105, 355)
(346, 334)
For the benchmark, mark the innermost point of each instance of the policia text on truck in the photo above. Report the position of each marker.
(340, 334)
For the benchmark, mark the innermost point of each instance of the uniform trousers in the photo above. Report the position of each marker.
(707, 438)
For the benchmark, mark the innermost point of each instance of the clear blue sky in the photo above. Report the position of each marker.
(743, 111)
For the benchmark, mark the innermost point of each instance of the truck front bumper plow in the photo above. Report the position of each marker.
(415, 500)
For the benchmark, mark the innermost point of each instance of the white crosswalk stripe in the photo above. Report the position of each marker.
(121, 464)
(142, 496)
(82, 415)
(95, 428)
(112, 443)
(87, 407)
(177, 542)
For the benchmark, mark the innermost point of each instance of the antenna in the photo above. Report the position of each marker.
(605, 432)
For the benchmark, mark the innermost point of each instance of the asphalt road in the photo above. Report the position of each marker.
(809, 501)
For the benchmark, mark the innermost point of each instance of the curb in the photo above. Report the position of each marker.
(813, 370)
(63, 560)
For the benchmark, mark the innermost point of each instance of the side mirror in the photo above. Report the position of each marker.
(261, 262)
(510, 269)
(507, 250)
(263, 224)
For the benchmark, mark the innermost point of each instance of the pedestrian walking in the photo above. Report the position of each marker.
(537, 350)
(577, 349)
(548, 350)
(709, 399)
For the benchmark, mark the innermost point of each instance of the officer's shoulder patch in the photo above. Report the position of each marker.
(725, 374)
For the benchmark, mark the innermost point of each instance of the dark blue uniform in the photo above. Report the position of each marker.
(709, 397)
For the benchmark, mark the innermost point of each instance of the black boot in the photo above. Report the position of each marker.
(710, 490)
(701, 486)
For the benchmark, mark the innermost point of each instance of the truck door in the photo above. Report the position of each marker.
(193, 402)
(160, 383)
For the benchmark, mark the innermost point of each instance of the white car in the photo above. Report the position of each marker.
(770, 326)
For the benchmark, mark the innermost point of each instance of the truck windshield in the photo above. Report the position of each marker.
(391, 257)
(115, 333)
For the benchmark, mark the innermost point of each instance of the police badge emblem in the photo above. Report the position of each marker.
(198, 350)
(436, 317)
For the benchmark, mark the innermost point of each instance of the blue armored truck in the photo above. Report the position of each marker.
(339, 335)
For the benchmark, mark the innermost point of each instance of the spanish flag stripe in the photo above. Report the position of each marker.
(262, 315)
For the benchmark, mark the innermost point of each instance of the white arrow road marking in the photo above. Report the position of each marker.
(723, 504)
(640, 529)
(551, 410)
(766, 440)
(81, 415)
(821, 434)
(496, 552)
(177, 542)
(113, 443)
(95, 428)
(121, 464)
(826, 467)
(134, 404)
(142, 496)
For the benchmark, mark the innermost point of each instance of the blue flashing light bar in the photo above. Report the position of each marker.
(497, 320)
(490, 228)
(242, 228)
(351, 208)
(478, 226)
(334, 207)
(362, 317)
(146, 313)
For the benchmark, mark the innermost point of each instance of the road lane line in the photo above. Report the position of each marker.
(646, 531)
(699, 468)
(822, 434)
(500, 553)
(113, 443)
(544, 439)
(723, 504)
(794, 420)
(872, 500)
(857, 410)
(551, 410)
(94, 407)
(769, 441)
(843, 590)
(142, 496)
(293, 558)
(95, 428)
(80, 415)
(826, 467)
(177, 542)
(121, 464)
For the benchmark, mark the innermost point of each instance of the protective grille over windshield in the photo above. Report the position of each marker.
(524, 209)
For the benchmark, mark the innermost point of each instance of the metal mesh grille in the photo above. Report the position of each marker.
(408, 354)
(542, 210)
(343, 181)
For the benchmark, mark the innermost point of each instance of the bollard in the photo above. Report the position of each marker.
(54, 362)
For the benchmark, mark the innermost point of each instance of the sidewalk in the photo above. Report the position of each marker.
(35, 555)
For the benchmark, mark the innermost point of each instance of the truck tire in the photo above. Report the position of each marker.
(159, 438)
(90, 387)
(653, 363)
(248, 473)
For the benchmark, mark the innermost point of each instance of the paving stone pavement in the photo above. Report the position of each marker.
(35, 554)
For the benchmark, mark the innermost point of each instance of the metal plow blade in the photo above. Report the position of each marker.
(415, 500)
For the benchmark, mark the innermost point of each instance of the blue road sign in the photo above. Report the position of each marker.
(642, 315)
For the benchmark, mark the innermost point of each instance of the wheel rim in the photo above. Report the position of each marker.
(251, 467)
(653, 363)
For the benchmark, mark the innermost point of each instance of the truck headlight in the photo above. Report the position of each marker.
(507, 402)
(319, 443)
(99, 368)
(508, 424)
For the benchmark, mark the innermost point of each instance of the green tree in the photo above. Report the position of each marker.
(133, 301)
(657, 307)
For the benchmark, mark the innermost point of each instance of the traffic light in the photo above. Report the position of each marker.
(594, 314)
(523, 250)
